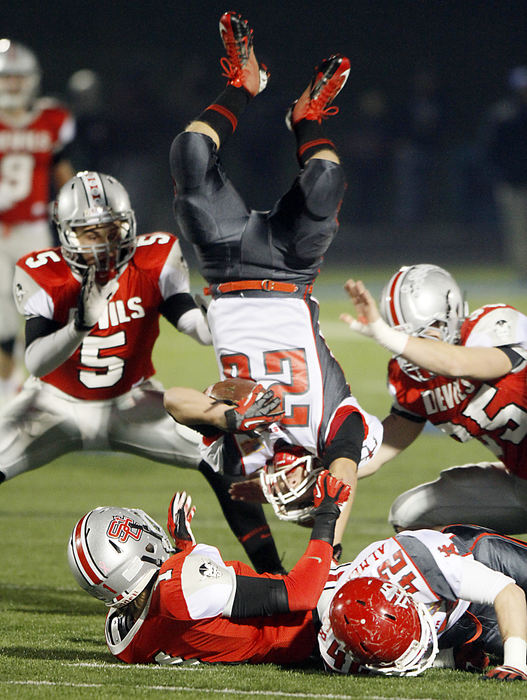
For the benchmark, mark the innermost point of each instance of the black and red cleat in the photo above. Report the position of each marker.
(328, 80)
(240, 66)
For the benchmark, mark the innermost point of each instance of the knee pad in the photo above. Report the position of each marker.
(323, 184)
(191, 155)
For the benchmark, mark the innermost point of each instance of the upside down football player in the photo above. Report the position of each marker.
(185, 605)
(261, 265)
(35, 134)
(467, 375)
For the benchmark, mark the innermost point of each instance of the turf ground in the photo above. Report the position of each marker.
(51, 632)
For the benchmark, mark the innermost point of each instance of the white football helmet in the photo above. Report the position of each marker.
(287, 483)
(383, 628)
(92, 198)
(19, 75)
(418, 298)
(113, 553)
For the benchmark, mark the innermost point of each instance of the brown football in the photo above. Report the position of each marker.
(231, 390)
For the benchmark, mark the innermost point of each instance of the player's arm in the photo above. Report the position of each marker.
(253, 413)
(481, 363)
(399, 433)
(178, 305)
(301, 588)
(48, 344)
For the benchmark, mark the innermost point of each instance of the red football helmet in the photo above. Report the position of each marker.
(383, 627)
(287, 482)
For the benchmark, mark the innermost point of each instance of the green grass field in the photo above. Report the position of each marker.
(52, 633)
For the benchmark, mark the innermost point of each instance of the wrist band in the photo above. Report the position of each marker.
(514, 653)
(389, 338)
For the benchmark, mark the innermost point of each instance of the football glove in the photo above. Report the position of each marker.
(180, 514)
(330, 491)
(255, 412)
(329, 496)
(93, 300)
(506, 673)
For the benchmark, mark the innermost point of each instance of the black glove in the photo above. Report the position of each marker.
(255, 412)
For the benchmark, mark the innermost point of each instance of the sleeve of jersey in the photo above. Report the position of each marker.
(494, 327)
(270, 594)
(203, 588)
(174, 276)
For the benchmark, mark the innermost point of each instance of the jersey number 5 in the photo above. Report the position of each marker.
(105, 370)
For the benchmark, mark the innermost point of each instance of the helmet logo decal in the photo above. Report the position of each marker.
(121, 528)
(94, 188)
(394, 594)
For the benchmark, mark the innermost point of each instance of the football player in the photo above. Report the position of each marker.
(428, 582)
(261, 265)
(464, 373)
(34, 138)
(92, 309)
(185, 605)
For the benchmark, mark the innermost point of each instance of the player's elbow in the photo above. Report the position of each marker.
(174, 403)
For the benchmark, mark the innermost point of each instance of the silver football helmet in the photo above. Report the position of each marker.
(19, 75)
(113, 553)
(421, 297)
(93, 199)
(287, 483)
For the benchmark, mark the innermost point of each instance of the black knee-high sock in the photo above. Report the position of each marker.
(310, 138)
(223, 114)
(248, 523)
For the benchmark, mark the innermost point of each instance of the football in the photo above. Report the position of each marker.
(231, 390)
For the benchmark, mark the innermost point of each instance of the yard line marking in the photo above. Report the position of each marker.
(212, 691)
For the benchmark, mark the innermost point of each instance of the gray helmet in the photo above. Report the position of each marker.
(287, 483)
(18, 60)
(92, 198)
(418, 297)
(113, 553)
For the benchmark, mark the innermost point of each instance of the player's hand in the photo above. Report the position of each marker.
(180, 514)
(93, 300)
(365, 307)
(247, 490)
(256, 412)
(330, 491)
(506, 673)
(471, 657)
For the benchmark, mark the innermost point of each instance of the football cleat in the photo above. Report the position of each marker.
(240, 66)
(328, 80)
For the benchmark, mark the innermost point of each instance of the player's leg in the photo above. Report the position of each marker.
(35, 428)
(482, 494)
(140, 425)
(311, 206)
(204, 197)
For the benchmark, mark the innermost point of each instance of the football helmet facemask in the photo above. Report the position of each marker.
(19, 75)
(423, 300)
(383, 628)
(287, 483)
(92, 199)
(113, 553)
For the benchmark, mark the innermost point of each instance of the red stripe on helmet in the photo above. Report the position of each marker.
(90, 574)
(393, 312)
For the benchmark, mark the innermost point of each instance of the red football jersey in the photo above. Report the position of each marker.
(26, 154)
(117, 353)
(493, 412)
(168, 634)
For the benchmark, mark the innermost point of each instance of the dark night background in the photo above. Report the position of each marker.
(159, 66)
